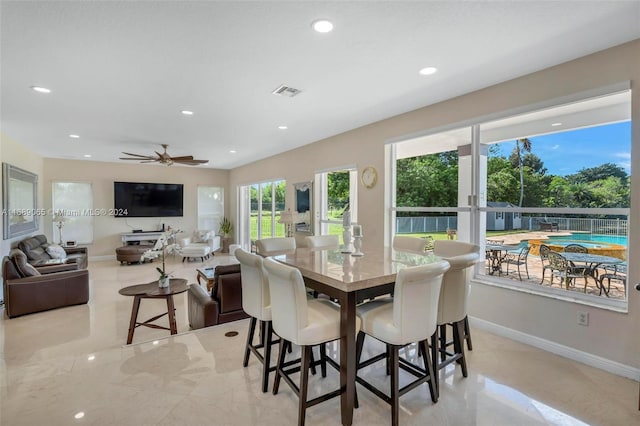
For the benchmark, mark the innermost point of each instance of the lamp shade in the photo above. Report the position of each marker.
(286, 217)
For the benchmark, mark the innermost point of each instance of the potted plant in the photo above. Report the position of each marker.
(226, 228)
(160, 249)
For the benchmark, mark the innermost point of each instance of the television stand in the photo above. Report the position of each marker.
(129, 237)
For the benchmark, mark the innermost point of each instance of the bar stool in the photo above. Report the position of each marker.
(322, 242)
(446, 249)
(256, 302)
(274, 246)
(304, 322)
(410, 244)
(407, 317)
(452, 307)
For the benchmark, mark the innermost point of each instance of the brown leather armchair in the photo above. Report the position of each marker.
(224, 304)
(42, 289)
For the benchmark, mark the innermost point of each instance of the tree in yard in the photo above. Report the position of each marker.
(526, 146)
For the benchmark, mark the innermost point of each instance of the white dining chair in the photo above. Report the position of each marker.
(452, 309)
(275, 246)
(410, 244)
(409, 316)
(322, 242)
(256, 302)
(304, 322)
(447, 249)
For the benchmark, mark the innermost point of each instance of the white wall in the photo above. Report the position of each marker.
(101, 175)
(610, 335)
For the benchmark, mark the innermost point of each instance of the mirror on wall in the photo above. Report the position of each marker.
(303, 197)
(19, 201)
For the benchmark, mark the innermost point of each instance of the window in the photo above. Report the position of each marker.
(554, 176)
(72, 202)
(260, 207)
(210, 207)
(338, 194)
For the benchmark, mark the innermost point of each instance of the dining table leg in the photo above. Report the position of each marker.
(347, 356)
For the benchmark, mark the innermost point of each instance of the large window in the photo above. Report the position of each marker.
(73, 212)
(210, 207)
(338, 194)
(550, 177)
(260, 207)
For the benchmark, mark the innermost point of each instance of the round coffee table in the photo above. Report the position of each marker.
(152, 291)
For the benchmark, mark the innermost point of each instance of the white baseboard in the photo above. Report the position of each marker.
(558, 349)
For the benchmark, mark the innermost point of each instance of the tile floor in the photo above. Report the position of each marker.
(70, 366)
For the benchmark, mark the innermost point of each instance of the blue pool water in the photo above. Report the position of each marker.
(593, 238)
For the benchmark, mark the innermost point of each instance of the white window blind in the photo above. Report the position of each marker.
(73, 201)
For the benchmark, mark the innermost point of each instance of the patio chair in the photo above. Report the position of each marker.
(612, 272)
(560, 267)
(548, 226)
(577, 248)
(518, 258)
(544, 259)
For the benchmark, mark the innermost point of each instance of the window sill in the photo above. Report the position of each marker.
(601, 302)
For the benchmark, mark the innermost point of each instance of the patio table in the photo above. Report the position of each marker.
(591, 262)
(496, 253)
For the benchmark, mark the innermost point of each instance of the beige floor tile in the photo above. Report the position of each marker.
(57, 364)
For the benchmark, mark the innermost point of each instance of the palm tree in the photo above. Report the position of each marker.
(526, 146)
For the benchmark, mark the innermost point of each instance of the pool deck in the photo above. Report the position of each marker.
(535, 266)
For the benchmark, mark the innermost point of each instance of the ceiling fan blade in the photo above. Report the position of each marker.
(149, 161)
(191, 162)
(137, 155)
(183, 158)
(136, 159)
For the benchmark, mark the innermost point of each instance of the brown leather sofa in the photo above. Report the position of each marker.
(36, 250)
(28, 290)
(224, 304)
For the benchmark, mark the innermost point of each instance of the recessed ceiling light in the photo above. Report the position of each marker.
(428, 71)
(87, 156)
(186, 112)
(41, 89)
(282, 127)
(72, 136)
(79, 415)
(91, 357)
(322, 26)
(233, 151)
(556, 124)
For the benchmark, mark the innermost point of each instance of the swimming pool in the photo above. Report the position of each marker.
(594, 238)
(605, 245)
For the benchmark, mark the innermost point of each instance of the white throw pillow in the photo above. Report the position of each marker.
(56, 252)
(201, 236)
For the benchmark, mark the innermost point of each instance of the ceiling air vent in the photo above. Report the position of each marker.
(286, 91)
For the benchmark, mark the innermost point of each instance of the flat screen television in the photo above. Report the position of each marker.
(143, 199)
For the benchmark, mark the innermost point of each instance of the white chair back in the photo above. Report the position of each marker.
(454, 295)
(290, 313)
(274, 246)
(322, 242)
(415, 301)
(256, 300)
(410, 244)
(447, 248)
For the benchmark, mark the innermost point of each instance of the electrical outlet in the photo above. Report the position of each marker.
(583, 318)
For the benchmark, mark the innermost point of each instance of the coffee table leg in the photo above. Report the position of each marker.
(171, 311)
(134, 318)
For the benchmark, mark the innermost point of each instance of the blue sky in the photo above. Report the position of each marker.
(566, 153)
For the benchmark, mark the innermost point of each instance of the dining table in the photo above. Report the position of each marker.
(350, 279)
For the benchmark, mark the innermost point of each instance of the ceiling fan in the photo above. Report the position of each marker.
(164, 158)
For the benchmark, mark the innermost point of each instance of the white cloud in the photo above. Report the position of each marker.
(555, 147)
(623, 155)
